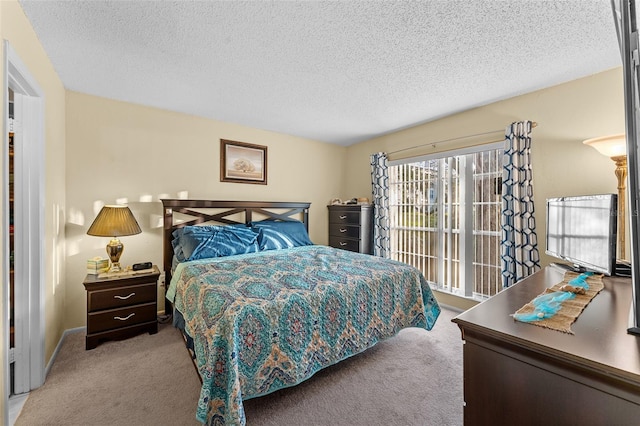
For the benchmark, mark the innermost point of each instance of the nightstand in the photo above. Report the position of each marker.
(351, 227)
(121, 305)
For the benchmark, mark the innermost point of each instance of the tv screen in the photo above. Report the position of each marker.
(582, 230)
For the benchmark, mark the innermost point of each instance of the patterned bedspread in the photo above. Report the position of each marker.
(268, 320)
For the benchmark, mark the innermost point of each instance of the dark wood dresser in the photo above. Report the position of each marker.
(351, 227)
(522, 374)
(121, 306)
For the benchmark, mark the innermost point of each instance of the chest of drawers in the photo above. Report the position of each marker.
(351, 227)
(518, 374)
(121, 306)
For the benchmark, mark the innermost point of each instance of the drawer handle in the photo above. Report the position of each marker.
(342, 244)
(126, 318)
(124, 297)
(343, 216)
(343, 230)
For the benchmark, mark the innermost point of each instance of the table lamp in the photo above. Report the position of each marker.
(615, 147)
(114, 221)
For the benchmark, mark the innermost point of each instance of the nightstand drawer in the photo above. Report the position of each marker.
(348, 231)
(344, 217)
(122, 296)
(121, 305)
(116, 318)
(344, 243)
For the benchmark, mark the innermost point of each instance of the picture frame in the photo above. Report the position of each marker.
(242, 162)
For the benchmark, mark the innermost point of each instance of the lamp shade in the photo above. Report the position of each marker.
(610, 146)
(114, 221)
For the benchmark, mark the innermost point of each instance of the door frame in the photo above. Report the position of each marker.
(31, 302)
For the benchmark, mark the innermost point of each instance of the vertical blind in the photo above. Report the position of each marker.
(445, 218)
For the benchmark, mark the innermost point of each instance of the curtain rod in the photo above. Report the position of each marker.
(534, 124)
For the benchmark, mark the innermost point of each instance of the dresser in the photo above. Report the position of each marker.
(522, 374)
(351, 227)
(122, 305)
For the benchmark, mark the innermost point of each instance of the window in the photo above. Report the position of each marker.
(445, 219)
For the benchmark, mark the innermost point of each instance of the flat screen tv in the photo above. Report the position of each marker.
(583, 231)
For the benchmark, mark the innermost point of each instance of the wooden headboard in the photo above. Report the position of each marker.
(192, 212)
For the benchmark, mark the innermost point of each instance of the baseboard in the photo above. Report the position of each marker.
(57, 349)
(454, 302)
(451, 308)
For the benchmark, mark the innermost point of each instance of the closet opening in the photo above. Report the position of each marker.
(10, 184)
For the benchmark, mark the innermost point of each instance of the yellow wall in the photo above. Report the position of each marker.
(121, 151)
(15, 28)
(566, 115)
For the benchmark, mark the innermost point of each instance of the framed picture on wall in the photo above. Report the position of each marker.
(243, 162)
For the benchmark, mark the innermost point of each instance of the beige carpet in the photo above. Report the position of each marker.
(414, 378)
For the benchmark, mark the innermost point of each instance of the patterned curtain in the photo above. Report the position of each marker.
(519, 246)
(380, 182)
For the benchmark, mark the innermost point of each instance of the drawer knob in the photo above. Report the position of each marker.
(343, 230)
(124, 297)
(125, 318)
(343, 216)
(342, 244)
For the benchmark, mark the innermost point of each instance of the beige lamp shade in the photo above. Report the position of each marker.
(615, 147)
(114, 221)
(610, 146)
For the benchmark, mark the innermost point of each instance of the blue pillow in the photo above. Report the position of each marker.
(203, 242)
(281, 234)
(177, 247)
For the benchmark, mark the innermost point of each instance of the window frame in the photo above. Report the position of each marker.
(445, 271)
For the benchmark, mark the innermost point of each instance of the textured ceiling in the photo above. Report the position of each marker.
(339, 71)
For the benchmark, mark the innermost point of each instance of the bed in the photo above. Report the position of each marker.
(265, 313)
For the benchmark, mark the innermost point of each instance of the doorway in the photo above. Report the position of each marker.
(27, 210)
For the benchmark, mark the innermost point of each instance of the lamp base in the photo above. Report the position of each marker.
(115, 267)
(114, 250)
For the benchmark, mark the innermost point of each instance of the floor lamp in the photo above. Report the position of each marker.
(615, 147)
